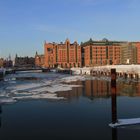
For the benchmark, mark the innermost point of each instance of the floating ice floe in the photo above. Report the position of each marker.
(7, 100)
(45, 88)
(40, 96)
(125, 122)
(36, 87)
(61, 87)
(73, 78)
(28, 86)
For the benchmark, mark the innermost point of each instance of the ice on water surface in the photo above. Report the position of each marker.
(23, 86)
(125, 122)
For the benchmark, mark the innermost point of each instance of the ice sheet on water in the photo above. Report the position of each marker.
(35, 88)
(45, 88)
(3, 93)
(7, 100)
(48, 85)
(125, 122)
(40, 96)
(73, 78)
(25, 86)
(60, 87)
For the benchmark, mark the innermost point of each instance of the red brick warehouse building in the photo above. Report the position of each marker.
(97, 53)
(65, 55)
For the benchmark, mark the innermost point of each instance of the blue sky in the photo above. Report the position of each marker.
(25, 24)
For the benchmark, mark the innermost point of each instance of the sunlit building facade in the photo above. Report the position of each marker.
(64, 55)
(138, 52)
(39, 60)
(100, 53)
(129, 53)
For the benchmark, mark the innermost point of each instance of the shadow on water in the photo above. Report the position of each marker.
(114, 134)
(0, 115)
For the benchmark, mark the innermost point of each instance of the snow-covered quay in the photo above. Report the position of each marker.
(120, 69)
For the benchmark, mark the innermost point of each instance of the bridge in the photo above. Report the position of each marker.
(14, 70)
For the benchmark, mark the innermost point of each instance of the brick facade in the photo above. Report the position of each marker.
(91, 53)
(99, 53)
(129, 53)
(39, 60)
(63, 55)
(138, 52)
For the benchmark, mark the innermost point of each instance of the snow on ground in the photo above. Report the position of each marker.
(119, 68)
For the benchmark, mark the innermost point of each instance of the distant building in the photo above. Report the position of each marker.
(6, 63)
(129, 53)
(1, 62)
(39, 60)
(65, 55)
(138, 52)
(24, 61)
(98, 53)
(90, 53)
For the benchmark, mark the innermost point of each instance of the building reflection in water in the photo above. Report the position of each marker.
(75, 93)
(90, 89)
(128, 88)
(101, 89)
(97, 88)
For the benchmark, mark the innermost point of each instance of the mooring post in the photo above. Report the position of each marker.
(113, 96)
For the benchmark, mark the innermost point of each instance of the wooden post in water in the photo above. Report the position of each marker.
(113, 96)
(114, 134)
(114, 103)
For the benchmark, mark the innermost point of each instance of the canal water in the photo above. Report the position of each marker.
(40, 106)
